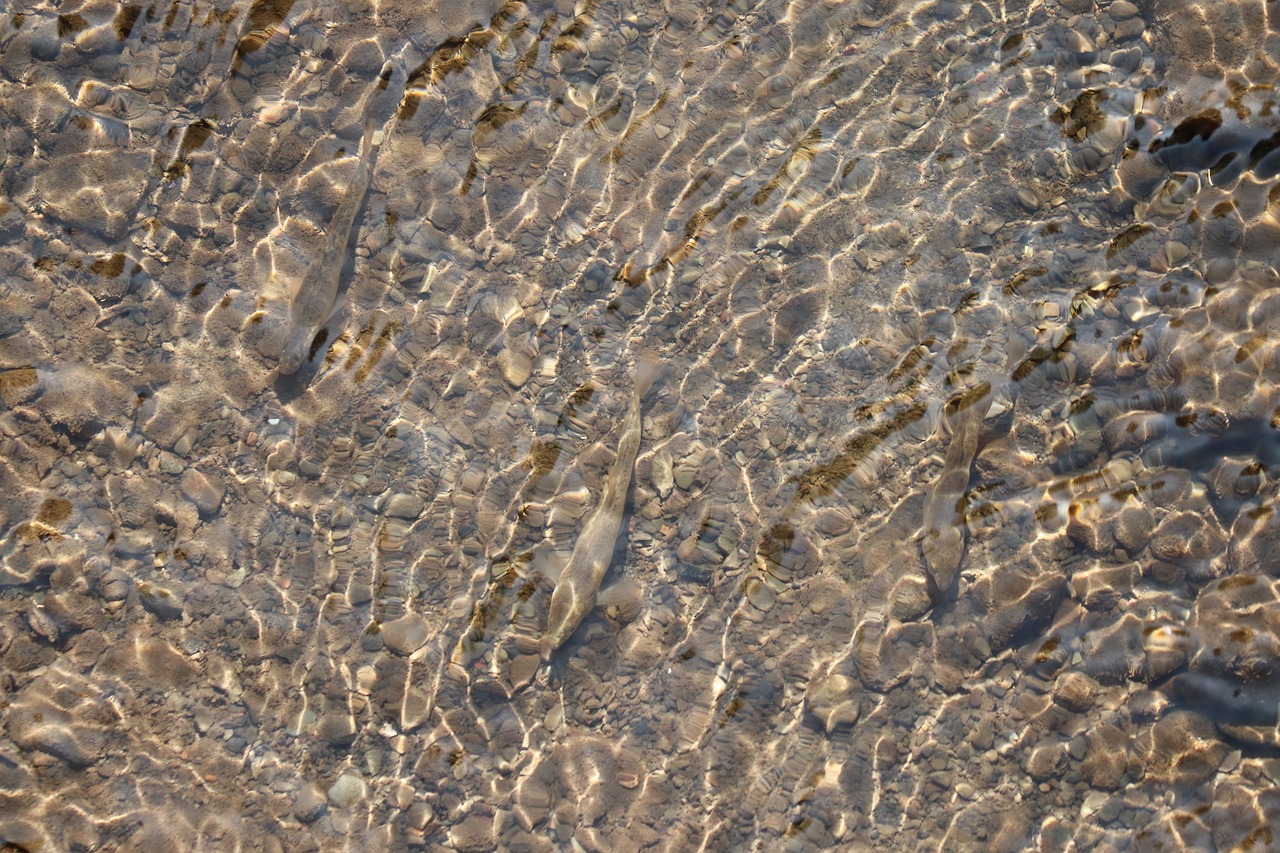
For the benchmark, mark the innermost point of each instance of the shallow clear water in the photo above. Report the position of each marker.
(952, 523)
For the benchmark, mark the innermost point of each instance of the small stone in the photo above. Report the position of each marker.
(1044, 762)
(1123, 10)
(35, 723)
(554, 717)
(1219, 270)
(136, 543)
(348, 790)
(206, 493)
(911, 596)
(336, 729)
(473, 835)
(1133, 526)
(1181, 750)
(1108, 757)
(834, 701)
(516, 367)
(533, 803)
(421, 815)
(406, 506)
(114, 586)
(402, 795)
(97, 192)
(159, 600)
(661, 474)
(523, 669)
(1075, 691)
(684, 476)
(1130, 29)
(405, 635)
(22, 835)
(1093, 803)
(308, 803)
(965, 791)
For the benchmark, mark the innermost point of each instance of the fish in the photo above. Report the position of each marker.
(578, 586)
(317, 296)
(1229, 699)
(943, 536)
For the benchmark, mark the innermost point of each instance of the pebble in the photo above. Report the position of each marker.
(205, 492)
(684, 476)
(1093, 803)
(308, 803)
(161, 601)
(1123, 10)
(406, 506)
(136, 543)
(523, 669)
(336, 729)
(473, 835)
(1219, 270)
(834, 701)
(114, 586)
(118, 176)
(37, 724)
(533, 803)
(22, 834)
(554, 717)
(517, 366)
(1075, 691)
(661, 472)
(1130, 29)
(348, 790)
(420, 815)
(405, 635)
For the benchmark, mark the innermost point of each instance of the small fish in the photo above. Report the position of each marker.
(579, 582)
(943, 535)
(1229, 699)
(317, 295)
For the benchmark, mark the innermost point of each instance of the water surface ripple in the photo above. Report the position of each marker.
(953, 519)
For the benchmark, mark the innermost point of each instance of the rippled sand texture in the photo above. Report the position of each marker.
(954, 522)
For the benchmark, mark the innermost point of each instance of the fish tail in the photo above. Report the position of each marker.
(648, 369)
(366, 144)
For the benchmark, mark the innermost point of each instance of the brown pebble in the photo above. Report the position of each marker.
(1075, 691)
(405, 635)
(1122, 10)
(203, 491)
(1044, 761)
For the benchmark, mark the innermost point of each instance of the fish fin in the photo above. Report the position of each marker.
(366, 144)
(550, 563)
(648, 369)
(620, 594)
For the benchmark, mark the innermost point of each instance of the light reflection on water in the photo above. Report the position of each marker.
(952, 517)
